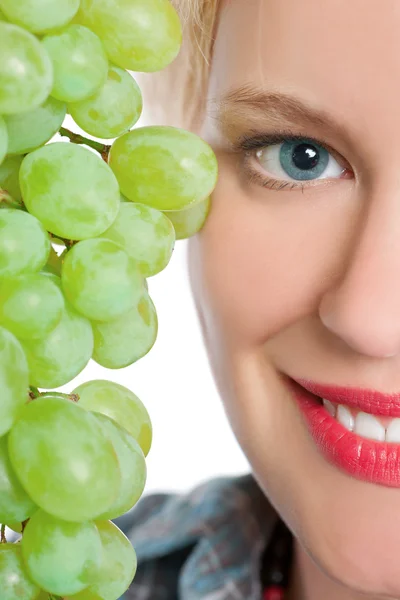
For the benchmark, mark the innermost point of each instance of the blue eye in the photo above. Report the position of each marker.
(298, 160)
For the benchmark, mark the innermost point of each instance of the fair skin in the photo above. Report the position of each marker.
(305, 283)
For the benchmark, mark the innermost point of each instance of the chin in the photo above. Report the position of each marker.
(351, 558)
(349, 528)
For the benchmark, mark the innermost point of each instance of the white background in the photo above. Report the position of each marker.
(192, 439)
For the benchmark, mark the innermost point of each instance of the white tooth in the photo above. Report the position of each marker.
(345, 417)
(329, 407)
(369, 427)
(393, 431)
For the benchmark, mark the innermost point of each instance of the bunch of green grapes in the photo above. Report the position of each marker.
(82, 227)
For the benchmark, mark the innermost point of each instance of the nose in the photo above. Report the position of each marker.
(363, 306)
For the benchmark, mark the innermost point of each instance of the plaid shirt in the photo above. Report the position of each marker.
(203, 545)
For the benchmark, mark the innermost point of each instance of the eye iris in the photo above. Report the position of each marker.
(304, 160)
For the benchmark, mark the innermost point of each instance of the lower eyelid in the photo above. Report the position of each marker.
(253, 177)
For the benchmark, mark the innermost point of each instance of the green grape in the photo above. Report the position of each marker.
(118, 568)
(30, 130)
(14, 382)
(30, 305)
(164, 167)
(15, 583)
(26, 73)
(60, 455)
(9, 176)
(15, 504)
(98, 115)
(137, 35)
(100, 280)
(62, 558)
(60, 356)
(70, 189)
(79, 61)
(124, 341)
(4, 141)
(24, 243)
(144, 233)
(132, 463)
(189, 221)
(121, 405)
(40, 15)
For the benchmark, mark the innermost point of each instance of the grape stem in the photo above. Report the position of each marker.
(73, 397)
(76, 138)
(33, 393)
(8, 200)
(3, 539)
(24, 524)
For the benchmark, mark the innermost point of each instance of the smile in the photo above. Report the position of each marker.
(381, 429)
(363, 443)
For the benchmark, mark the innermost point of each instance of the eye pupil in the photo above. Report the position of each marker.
(303, 160)
(305, 156)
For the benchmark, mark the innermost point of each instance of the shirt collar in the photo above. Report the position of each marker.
(227, 521)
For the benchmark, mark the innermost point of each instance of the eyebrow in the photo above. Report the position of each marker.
(244, 105)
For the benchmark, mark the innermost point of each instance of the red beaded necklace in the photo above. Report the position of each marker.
(276, 562)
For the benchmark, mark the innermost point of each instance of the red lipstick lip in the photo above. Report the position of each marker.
(367, 400)
(360, 457)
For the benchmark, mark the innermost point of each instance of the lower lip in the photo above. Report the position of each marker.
(376, 462)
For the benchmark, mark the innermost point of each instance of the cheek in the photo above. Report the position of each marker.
(266, 256)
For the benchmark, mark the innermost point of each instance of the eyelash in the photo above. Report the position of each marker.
(246, 145)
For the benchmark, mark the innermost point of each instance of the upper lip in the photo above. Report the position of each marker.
(367, 400)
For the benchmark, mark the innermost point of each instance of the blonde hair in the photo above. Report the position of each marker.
(176, 95)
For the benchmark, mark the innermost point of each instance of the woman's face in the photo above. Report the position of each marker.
(296, 273)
